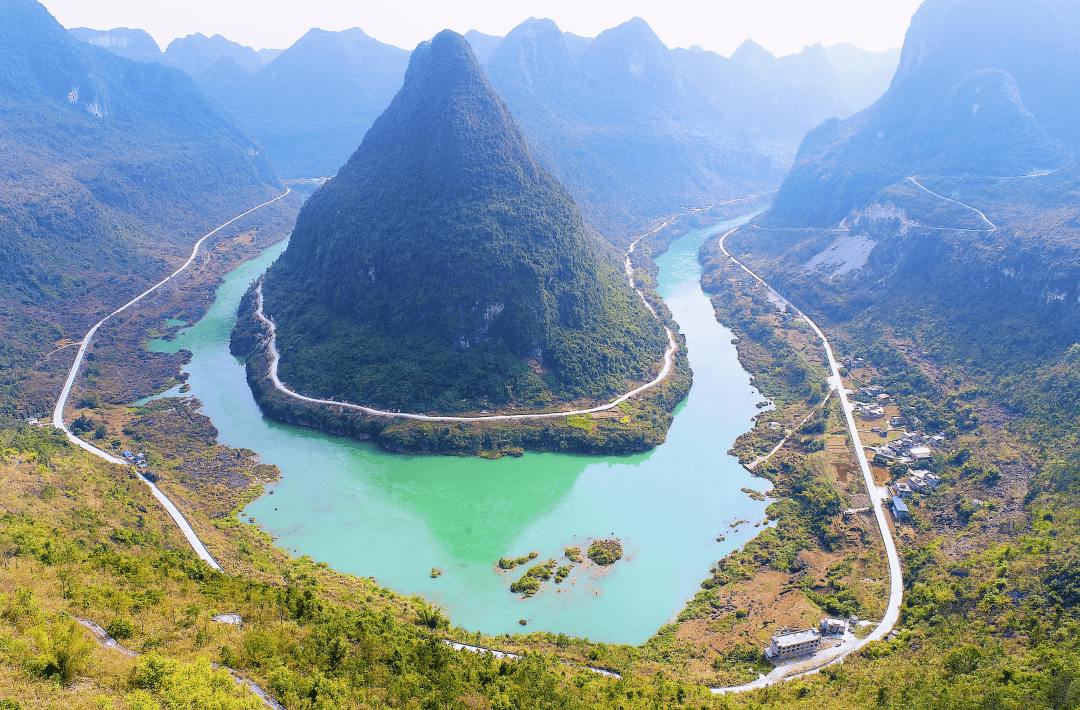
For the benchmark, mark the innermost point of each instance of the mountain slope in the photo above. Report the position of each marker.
(957, 188)
(618, 123)
(311, 106)
(442, 258)
(977, 93)
(109, 171)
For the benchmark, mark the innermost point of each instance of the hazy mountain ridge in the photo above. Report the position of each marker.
(973, 95)
(636, 129)
(442, 256)
(110, 170)
(692, 127)
(311, 106)
(194, 54)
(619, 125)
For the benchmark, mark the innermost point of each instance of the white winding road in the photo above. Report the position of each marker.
(275, 356)
(878, 496)
(61, 402)
(993, 227)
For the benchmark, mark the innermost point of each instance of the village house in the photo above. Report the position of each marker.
(899, 509)
(902, 488)
(833, 627)
(920, 453)
(925, 477)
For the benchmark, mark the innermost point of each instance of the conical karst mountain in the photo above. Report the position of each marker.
(443, 268)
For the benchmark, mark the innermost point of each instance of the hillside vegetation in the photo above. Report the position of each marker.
(110, 170)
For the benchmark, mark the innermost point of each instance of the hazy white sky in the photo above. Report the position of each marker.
(781, 26)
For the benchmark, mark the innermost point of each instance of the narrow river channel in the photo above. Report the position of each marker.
(395, 517)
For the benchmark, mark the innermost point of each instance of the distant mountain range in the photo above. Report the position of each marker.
(443, 268)
(311, 106)
(636, 129)
(195, 54)
(952, 199)
(110, 169)
(633, 128)
(973, 96)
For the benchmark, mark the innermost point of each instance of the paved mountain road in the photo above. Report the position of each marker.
(275, 356)
(878, 496)
(993, 227)
(61, 402)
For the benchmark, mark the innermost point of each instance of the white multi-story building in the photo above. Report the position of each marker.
(792, 644)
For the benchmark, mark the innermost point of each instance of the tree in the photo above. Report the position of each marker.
(65, 651)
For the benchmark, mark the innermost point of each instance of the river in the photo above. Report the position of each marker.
(394, 517)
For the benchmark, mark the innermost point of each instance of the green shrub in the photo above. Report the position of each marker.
(605, 552)
(64, 651)
(512, 562)
(120, 628)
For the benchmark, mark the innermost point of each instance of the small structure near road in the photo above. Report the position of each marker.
(792, 644)
(899, 509)
(833, 627)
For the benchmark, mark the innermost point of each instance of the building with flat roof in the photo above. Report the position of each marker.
(830, 627)
(793, 644)
(899, 508)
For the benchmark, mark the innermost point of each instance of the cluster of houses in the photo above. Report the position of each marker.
(914, 482)
(913, 448)
(876, 399)
(793, 642)
(137, 460)
(910, 448)
(852, 363)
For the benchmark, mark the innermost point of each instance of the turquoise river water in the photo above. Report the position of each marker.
(394, 517)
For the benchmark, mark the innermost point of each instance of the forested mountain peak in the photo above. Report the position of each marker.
(538, 49)
(443, 249)
(977, 93)
(629, 52)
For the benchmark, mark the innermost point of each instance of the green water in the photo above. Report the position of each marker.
(395, 517)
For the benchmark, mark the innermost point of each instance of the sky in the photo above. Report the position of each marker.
(781, 26)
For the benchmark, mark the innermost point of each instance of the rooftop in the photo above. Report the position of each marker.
(794, 639)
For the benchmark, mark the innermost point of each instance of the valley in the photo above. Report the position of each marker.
(486, 413)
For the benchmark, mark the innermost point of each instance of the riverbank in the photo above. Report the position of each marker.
(634, 422)
(638, 424)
